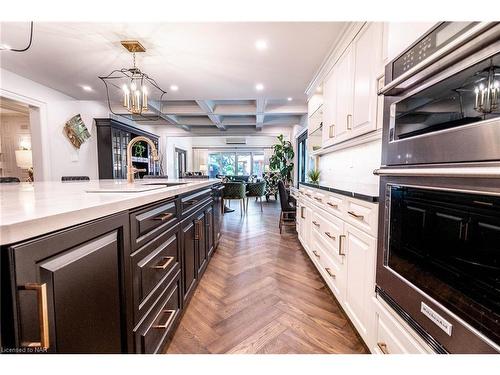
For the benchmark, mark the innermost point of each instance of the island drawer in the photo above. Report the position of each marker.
(190, 203)
(147, 223)
(157, 326)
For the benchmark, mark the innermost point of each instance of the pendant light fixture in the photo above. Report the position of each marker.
(131, 93)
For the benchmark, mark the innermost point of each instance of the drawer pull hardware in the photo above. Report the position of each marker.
(198, 232)
(164, 217)
(316, 254)
(309, 195)
(383, 347)
(332, 204)
(349, 122)
(340, 244)
(330, 272)
(190, 202)
(354, 214)
(318, 199)
(329, 235)
(316, 223)
(169, 320)
(331, 129)
(302, 212)
(43, 315)
(165, 264)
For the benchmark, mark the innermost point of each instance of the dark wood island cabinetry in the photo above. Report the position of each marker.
(118, 284)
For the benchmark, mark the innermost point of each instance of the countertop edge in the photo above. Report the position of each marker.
(28, 229)
(347, 193)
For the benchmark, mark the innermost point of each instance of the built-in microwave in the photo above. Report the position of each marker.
(442, 97)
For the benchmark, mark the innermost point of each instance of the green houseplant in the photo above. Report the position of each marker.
(282, 159)
(313, 175)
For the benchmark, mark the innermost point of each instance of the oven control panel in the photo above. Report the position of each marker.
(431, 42)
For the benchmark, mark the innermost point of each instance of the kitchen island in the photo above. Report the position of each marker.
(102, 266)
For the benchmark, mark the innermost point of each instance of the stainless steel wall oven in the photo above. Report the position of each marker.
(438, 260)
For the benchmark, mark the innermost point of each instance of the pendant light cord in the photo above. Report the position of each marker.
(23, 49)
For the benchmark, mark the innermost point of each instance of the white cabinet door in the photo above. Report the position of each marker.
(367, 62)
(329, 109)
(360, 251)
(345, 80)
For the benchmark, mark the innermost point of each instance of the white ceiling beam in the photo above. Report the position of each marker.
(259, 121)
(170, 118)
(208, 107)
(260, 109)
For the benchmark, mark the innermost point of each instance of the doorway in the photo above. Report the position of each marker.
(180, 162)
(16, 156)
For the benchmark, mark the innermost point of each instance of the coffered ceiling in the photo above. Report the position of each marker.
(216, 66)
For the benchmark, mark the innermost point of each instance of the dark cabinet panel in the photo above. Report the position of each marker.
(189, 243)
(201, 242)
(210, 230)
(69, 289)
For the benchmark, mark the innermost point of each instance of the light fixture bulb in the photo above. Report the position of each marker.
(125, 89)
(133, 86)
(476, 90)
(481, 86)
(496, 85)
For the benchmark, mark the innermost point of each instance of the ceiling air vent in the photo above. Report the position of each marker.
(236, 141)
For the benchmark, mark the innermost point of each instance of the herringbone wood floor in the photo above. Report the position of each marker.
(261, 294)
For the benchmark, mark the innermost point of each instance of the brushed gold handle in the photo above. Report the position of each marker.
(191, 202)
(165, 264)
(330, 272)
(316, 223)
(340, 244)
(43, 315)
(349, 122)
(309, 195)
(331, 129)
(169, 320)
(332, 204)
(302, 212)
(354, 214)
(316, 254)
(318, 199)
(197, 229)
(383, 347)
(329, 235)
(164, 217)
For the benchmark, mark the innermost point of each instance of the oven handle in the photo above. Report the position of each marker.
(471, 172)
(462, 39)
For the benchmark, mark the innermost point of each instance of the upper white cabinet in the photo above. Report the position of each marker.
(367, 65)
(350, 90)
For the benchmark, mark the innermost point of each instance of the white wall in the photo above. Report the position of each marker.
(53, 154)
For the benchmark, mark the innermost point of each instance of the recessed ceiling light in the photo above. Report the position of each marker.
(174, 87)
(259, 87)
(87, 88)
(261, 45)
(289, 99)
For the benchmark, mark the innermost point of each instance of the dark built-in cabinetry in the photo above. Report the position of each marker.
(118, 284)
(112, 140)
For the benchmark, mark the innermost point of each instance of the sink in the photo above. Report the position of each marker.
(133, 188)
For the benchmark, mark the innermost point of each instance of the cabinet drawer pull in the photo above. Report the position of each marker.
(164, 217)
(331, 132)
(354, 214)
(341, 243)
(383, 347)
(169, 320)
(329, 235)
(190, 202)
(165, 264)
(316, 223)
(302, 212)
(330, 272)
(318, 199)
(309, 195)
(349, 122)
(43, 315)
(332, 204)
(316, 254)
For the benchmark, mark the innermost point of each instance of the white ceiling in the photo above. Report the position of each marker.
(210, 62)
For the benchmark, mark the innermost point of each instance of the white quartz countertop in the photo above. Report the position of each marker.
(31, 209)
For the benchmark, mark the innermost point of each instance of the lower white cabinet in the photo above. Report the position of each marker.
(340, 240)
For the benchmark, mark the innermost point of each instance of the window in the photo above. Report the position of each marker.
(302, 157)
(242, 163)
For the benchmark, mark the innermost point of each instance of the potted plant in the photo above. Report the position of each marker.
(313, 175)
(282, 159)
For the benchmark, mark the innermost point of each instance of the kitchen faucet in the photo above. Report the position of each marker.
(131, 170)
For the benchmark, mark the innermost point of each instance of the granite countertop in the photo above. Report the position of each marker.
(31, 209)
(365, 192)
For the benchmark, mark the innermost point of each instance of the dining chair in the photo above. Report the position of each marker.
(288, 210)
(257, 190)
(235, 191)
